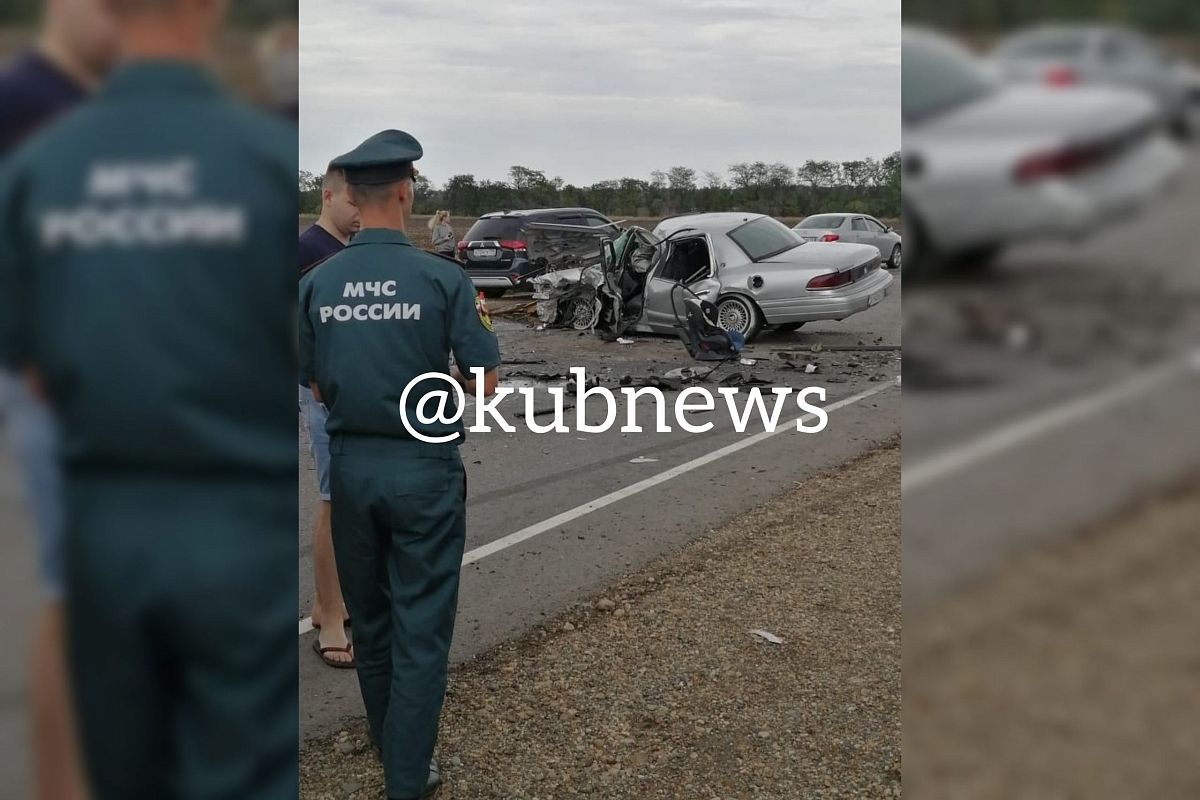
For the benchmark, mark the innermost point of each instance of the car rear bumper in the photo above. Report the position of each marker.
(833, 303)
(1064, 208)
(500, 274)
(486, 281)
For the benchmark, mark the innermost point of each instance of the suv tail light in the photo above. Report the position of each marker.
(831, 237)
(830, 280)
(461, 245)
(1061, 76)
(511, 244)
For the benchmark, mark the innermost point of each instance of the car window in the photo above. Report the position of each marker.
(1056, 45)
(495, 228)
(859, 224)
(570, 219)
(822, 221)
(597, 222)
(764, 237)
(875, 226)
(938, 76)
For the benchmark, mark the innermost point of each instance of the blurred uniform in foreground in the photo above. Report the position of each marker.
(75, 48)
(146, 259)
(373, 318)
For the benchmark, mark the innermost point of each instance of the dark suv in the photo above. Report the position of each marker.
(499, 253)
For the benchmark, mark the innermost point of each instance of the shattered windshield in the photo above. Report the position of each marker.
(764, 237)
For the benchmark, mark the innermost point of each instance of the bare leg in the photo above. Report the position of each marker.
(57, 766)
(329, 612)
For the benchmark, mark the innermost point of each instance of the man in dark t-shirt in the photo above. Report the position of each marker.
(74, 50)
(328, 235)
(333, 229)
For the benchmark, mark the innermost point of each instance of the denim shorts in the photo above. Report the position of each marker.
(32, 434)
(314, 419)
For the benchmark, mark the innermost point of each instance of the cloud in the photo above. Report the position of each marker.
(595, 91)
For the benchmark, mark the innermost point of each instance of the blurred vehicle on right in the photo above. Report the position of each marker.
(1102, 55)
(987, 164)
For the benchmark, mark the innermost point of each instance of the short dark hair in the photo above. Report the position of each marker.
(372, 194)
(367, 194)
(334, 179)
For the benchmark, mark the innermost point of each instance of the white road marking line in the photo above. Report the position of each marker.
(558, 520)
(934, 468)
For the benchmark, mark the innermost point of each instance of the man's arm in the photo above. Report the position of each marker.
(491, 379)
(471, 338)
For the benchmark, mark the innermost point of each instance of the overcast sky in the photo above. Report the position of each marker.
(591, 91)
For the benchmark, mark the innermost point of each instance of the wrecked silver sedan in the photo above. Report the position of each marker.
(755, 270)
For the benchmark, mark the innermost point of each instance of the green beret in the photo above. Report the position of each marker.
(384, 158)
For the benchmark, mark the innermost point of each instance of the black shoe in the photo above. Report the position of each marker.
(432, 783)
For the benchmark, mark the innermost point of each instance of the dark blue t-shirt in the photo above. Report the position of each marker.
(33, 91)
(316, 245)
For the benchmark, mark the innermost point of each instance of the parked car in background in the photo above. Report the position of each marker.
(987, 163)
(855, 229)
(1101, 55)
(496, 251)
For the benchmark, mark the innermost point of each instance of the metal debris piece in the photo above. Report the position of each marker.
(788, 355)
(642, 460)
(689, 373)
(770, 637)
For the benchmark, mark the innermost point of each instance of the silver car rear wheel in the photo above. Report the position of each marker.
(894, 261)
(736, 313)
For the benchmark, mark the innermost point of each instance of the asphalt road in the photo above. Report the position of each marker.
(522, 479)
(1050, 393)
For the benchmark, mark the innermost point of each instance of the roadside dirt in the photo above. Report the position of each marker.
(1071, 672)
(658, 688)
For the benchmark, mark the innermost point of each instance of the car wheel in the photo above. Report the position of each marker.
(788, 327)
(893, 261)
(494, 292)
(582, 314)
(737, 313)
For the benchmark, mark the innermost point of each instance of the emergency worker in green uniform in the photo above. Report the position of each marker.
(146, 289)
(373, 318)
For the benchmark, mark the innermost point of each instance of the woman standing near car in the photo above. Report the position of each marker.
(443, 234)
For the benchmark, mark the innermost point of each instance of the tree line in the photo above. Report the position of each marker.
(242, 12)
(990, 16)
(870, 186)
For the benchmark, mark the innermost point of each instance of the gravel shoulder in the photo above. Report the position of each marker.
(658, 688)
(1070, 671)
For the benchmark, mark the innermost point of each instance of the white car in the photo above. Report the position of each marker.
(1100, 55)
(986, 164)
(844, 226)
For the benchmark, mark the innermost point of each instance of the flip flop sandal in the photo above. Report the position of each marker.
(345, 624)
(321, 651)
